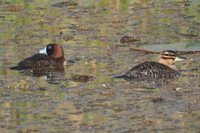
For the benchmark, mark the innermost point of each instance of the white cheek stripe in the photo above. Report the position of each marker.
(64, 63)
(43, 51)
(178, 59)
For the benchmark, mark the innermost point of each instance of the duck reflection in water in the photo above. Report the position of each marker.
(51, 75)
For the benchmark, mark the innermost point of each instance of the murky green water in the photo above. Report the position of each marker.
(91, 31)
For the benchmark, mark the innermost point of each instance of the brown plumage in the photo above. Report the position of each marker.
(163, 69)
(54, 57)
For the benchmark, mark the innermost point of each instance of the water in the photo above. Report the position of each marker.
(90, 31)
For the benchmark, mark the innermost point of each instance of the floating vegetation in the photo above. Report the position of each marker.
(100, 38)
(157, 100)
(82, 78)
(128, 39)
(65, 4)
(12, 8)
(19, 85)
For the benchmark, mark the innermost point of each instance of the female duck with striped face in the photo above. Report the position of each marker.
(163, 69)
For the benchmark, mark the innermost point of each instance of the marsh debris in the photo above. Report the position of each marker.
(157, 99)
(129, 39)
(65, 4)
(82, 78)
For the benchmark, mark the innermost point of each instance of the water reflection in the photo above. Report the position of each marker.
(92, 31)
(52, 75)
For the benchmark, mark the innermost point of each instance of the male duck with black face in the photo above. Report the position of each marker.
(163, 69)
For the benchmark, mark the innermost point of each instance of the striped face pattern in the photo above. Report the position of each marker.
(168, 55)
(171, 55)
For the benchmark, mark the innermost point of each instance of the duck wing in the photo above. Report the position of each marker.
(35, 61)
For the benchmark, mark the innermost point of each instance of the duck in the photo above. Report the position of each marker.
(164, 68)
(52, 56)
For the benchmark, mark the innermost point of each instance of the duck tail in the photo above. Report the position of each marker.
(119, 76)
(13, 68)
(16, 68)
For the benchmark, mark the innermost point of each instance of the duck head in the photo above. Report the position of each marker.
(53, 50)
